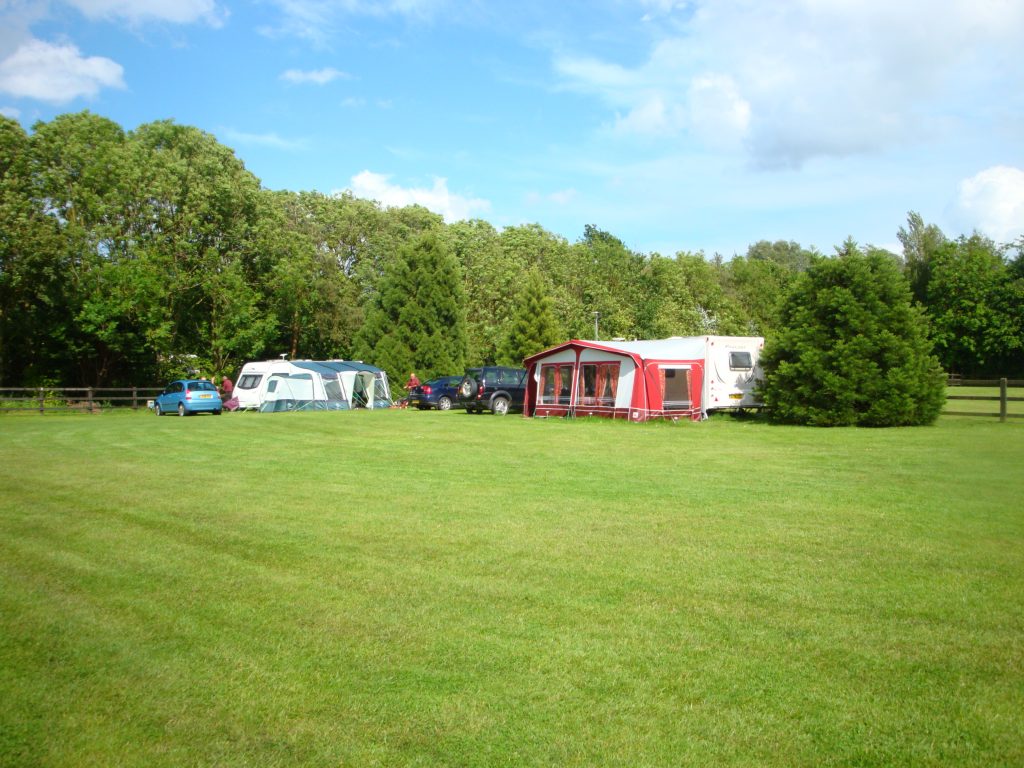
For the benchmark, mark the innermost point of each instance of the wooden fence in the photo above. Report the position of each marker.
(1002, 398)
(96, 399)
(78, 399)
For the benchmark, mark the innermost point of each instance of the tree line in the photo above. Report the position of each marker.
(131, 257)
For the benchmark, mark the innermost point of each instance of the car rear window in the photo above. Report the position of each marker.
(201, 386)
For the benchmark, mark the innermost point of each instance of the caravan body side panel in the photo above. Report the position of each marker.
(251, 385)
(732, 372)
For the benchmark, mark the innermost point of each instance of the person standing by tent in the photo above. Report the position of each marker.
(413, 381)
(227, 388)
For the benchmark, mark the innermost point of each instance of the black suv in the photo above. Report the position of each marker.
(493, 388)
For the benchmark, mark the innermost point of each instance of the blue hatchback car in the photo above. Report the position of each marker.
(188, 396)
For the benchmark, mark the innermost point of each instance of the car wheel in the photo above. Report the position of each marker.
(500, 406)
(156, 409)
(181, 409)
(216, 412)
(444, 404)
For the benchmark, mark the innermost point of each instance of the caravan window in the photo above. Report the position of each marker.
(675, 389)
(556, 384)
(249, 381)
(599, 384)
(740, 361)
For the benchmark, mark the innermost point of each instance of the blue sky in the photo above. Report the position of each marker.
(700, 125)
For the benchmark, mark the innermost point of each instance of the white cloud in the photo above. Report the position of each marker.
(140, 11)
(271, 140)
(718, 113)
(591, 75)
(56, 73)
(809, 78)
(315, 76)
(10, 112)
(376, 186)
(652, 117)
(993, 202)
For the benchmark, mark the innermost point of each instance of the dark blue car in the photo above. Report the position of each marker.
(437, 393)
(188, 396)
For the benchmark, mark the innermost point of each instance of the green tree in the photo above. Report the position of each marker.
(1012, 307)
(921, 243)
(853, 348)
(971, 297)
(417, 321)
(312, 283)
(530, 245)
(534, 327)
(197, 227)
(787, 254)
(383, 233)
(710, 310)
(756, 283)
(756, 288)
(492, 275)
(79, 174)
(32, 284)
(607, 274)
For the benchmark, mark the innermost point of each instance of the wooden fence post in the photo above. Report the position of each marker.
(135, 398)
(42, 401)
(88, 397)
(1002, 399)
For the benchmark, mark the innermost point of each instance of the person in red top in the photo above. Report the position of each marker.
(412, 382)
(227, 388)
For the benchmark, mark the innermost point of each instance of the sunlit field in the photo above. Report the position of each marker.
(427, 589)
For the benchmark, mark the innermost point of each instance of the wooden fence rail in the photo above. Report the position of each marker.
(94, 399)
(80, 399)
(1002, 398)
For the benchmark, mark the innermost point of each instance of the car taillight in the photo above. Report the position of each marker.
(480, 391)
(426, 389)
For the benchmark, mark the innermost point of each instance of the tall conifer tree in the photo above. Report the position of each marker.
(853, 349)
(534, 327)
(417, 320)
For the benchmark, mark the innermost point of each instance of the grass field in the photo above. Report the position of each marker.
(437, 589)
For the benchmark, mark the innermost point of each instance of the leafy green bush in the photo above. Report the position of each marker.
(853, 349)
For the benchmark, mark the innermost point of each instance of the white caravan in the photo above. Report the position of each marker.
(292, 385)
